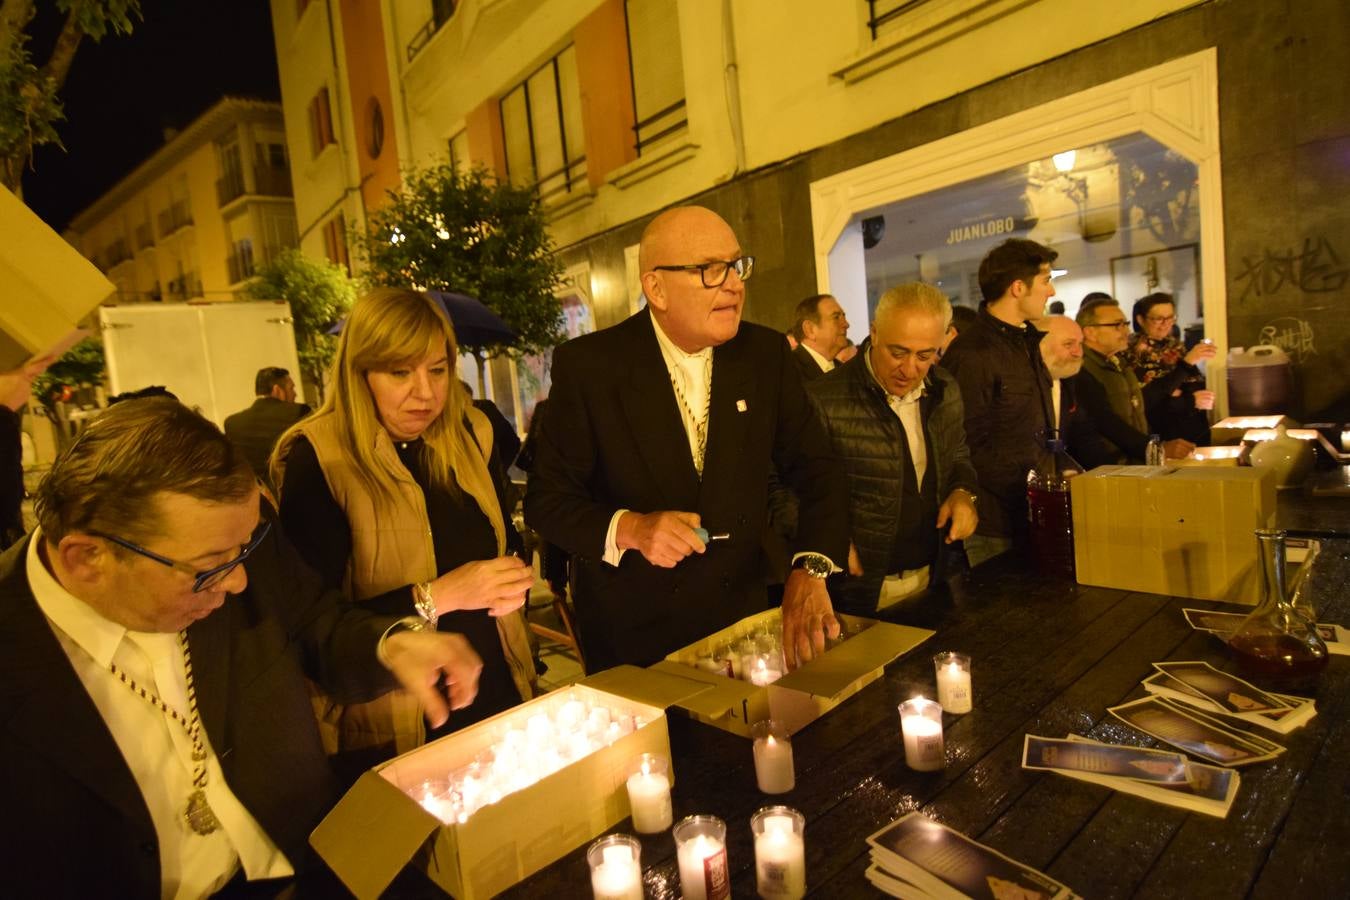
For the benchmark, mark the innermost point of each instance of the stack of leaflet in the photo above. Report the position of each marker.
(916, 857)
(1222, 624)
(1158, 775)
(1213, 715)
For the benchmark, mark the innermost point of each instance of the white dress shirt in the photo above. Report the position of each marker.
(1054, 399)
(694, 373)
(907, 410)
(826, 365)
(156, 749)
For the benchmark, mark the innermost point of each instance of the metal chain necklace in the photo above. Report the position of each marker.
(700, 423)
(198, 813)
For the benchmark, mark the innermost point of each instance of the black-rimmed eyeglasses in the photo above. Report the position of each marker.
(202, 580)
(714, 274)
(1121, 324)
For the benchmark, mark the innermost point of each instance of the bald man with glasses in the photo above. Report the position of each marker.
(652, 467)
(1107, 388)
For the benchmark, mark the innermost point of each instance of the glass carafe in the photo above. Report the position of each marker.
(1048, 510)
(1277, 646)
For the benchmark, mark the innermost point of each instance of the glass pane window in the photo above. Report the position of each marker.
(654, 50)
(541, 127)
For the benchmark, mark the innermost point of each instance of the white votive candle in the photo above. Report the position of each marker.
(761, 673)
(616, 870)
(921, 728)
(774, 771)
(780, 852)
(953, 682)
(700, 843)
(649, 795)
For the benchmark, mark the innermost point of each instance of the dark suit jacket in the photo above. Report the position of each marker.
(613, 439)
(75, 824)
(806, 363)
(255, 430)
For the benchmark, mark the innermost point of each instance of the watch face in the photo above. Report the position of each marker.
(815, 565)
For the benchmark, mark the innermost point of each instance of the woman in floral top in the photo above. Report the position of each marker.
(1175, 399)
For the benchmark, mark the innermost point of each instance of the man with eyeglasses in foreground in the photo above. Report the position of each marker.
(1107, 388)
(158, 737)
(653, 465)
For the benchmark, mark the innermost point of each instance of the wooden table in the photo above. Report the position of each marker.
(1049, 658)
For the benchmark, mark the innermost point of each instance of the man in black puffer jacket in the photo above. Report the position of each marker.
(897, 425)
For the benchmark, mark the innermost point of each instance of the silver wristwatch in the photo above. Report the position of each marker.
(814, 564)
(424, 603)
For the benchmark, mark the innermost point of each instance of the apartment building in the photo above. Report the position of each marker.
(198, 217)
(1180, 145)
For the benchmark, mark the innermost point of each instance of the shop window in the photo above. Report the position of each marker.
(656, 69)
(541, 128)
(1123, 214)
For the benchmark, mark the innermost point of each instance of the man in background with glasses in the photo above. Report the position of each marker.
(1107, 389)
(653, 463)
(156, 731)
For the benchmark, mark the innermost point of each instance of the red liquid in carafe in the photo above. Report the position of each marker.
(1277, 660)
(1051, 531)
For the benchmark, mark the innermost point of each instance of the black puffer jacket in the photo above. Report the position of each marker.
(866, 436)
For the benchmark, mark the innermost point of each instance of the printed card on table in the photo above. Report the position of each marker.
(1294, 714)
(1222, 623)
(1229, 692)
(1336, 638)
(944, 863)
(1206, 789)
(1194, 732)
(1061, 755)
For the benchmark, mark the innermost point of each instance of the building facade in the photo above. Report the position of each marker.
(198, 217)
(1194, 147)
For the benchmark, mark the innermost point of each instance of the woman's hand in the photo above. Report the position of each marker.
(1201, 351)
(498, 585)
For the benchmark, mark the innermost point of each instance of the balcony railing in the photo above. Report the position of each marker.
(882, 12)
(660, 124)
(145, 238)
(116, 253)
(272, 181)
(185, 287)
(174, 218)
(240, 263)
(441, 11)
(230, 187)
(554, 186)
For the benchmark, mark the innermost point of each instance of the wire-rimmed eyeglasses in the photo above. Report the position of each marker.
(202, 580)
(714, 274)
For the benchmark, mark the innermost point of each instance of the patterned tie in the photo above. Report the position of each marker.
(699, 421)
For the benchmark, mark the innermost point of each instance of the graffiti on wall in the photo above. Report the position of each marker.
(1293, 336)
(1316, 269)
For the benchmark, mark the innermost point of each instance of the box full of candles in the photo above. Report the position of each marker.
(481, 809)
(1185, 531)
(744, 679)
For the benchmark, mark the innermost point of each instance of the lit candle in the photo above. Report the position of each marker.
(616, 873)
(434, 797)
(649, 795)
(921, 728)
(700, 843)
(780, 852)
(774, 771)
(761, 673)
(953, 682)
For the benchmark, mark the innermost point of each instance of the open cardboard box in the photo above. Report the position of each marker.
(1184, 531)
(1231, 429)
(377, 829)
(796, 699)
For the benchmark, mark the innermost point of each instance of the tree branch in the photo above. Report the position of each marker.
(57, 66)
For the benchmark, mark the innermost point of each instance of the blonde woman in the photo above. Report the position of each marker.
(391, 491)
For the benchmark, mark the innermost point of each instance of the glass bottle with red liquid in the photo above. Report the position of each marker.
(1048, 509)
(1277, 646)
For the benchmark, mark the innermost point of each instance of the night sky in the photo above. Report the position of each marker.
(122, 93)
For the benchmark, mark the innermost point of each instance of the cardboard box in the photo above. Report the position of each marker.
(49, 287)
(377, 829)
(1184, 531)
(796, 699)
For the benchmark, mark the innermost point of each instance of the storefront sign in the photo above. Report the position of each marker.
(985, 229)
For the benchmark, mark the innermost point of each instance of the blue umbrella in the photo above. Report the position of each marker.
(475, 324)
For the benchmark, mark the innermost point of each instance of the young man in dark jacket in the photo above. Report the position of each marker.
(1005, 388)
(896, 425)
